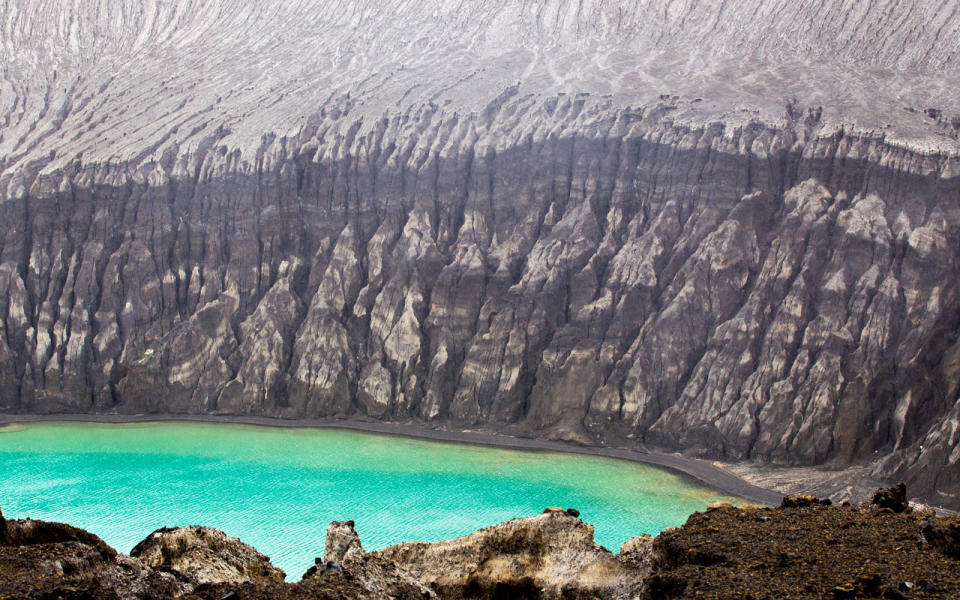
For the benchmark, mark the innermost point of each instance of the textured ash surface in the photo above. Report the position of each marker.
(839, 552)
(728, 228)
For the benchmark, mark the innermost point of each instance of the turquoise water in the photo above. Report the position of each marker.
(277, 489)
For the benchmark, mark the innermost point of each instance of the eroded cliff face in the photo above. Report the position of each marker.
(747, 293)
(500, 221)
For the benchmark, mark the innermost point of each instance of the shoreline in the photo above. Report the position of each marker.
(704, 472)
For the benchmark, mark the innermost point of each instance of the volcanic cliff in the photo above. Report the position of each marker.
(727, 228)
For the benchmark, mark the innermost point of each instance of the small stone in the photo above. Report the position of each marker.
(331, 567)
(788, 558)
(665, 585)
(863, 586)
(553, 510)
(869, 584)
(573, 512)
(944, 538)
(799, 501)
(719, 506)
(894, 498)
(892, 594)
(843, 592)
(640, 544)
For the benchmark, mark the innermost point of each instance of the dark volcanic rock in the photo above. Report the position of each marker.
(802, 501)
(54, 560)
(813, 551)
(944, 536)
(337, 586)
(381, 577)
(27, 532)
(894, 498)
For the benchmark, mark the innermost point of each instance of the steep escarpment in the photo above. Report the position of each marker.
(746, 293)
(621, 223)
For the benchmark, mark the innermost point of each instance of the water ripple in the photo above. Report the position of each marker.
(278, 489)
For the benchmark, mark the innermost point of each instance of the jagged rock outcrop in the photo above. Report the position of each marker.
(806, 548)
(54, 560)
(548, 556)
(379, 576)
(342, 543)
(727, 228)
(552, 555)
(203, 555)
(24, 532)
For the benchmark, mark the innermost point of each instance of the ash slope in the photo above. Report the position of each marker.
(594, 221)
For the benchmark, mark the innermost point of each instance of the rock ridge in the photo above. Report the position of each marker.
(805, 548)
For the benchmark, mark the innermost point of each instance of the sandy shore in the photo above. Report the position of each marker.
(703, 471)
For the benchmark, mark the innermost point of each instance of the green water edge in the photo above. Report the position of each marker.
(277, 489)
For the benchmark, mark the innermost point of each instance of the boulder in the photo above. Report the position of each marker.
(944, 537)
(205, 555)
(342, 540)
(546, 556)
(28, 532)
(803, 501)
(55, 560)
(380, 577)
(894, 498)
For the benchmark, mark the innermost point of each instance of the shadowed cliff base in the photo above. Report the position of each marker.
(740, 293)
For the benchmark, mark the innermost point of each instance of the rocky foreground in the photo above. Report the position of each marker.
(806, 548)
